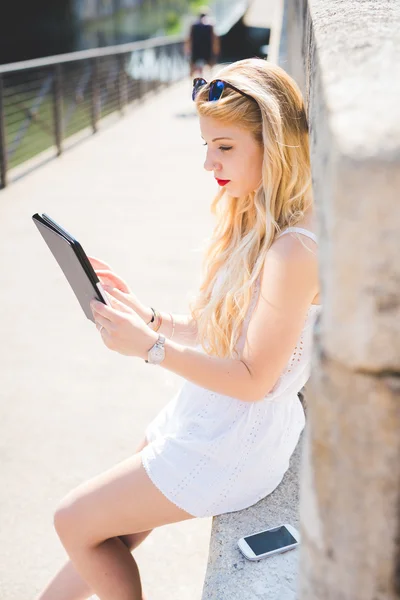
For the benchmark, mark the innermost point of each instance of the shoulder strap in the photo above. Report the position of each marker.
(305, 232)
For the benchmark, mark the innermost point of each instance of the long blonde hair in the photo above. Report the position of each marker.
(247, 226)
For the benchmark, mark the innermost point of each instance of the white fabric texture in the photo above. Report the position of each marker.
(210, 454)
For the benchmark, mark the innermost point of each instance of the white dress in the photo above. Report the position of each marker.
(211, 454)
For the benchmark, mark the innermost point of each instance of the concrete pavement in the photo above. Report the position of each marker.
(137, 196)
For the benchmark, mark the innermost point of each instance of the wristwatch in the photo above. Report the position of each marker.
(156, 354)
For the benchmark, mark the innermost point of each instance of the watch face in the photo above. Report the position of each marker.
(157, 354)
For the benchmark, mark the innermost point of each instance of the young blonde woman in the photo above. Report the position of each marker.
(225, 441)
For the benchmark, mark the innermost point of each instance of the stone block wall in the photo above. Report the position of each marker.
(345, 56)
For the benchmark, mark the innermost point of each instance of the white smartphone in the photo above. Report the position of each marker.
(270, 541)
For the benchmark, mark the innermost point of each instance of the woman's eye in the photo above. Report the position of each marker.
(222, 148)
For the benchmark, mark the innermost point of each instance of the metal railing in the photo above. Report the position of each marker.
(44, 102)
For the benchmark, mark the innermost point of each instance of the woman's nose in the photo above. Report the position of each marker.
(210, 164)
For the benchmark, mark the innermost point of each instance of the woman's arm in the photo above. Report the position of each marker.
(229, 377)
(289, 284)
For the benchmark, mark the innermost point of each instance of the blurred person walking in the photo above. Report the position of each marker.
(203, 45)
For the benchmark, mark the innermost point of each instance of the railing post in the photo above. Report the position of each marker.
(157, 70)
(95, 94)
(57, 102)
(172, 52)
(122, 85)
(142, 81)
(3, 146)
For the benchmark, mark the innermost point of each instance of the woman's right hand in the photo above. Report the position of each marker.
(110, 279)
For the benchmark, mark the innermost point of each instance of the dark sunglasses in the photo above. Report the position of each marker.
(217, 86)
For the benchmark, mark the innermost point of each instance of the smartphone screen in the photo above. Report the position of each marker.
(266, 541)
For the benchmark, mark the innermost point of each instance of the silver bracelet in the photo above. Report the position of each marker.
(173, 326)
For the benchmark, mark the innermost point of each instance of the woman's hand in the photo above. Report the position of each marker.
(111, 280)
(121, 328)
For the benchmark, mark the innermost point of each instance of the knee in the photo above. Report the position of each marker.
(67, 519)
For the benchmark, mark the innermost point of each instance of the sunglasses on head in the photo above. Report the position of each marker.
(217, 86)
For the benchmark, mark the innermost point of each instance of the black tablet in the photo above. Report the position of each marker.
(73, 261)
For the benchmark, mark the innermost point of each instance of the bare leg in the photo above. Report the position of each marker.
(69, 585)
(193, 70)
(209, 69)
(196, 69)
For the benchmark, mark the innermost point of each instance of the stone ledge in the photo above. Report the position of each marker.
(229, 575)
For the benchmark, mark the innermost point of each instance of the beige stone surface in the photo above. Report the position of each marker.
(351, 80)
(345, 57)
(350, 485)
(135, 195)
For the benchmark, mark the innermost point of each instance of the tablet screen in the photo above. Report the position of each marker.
(84, 287)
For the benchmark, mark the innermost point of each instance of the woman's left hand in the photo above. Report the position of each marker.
(121, 328)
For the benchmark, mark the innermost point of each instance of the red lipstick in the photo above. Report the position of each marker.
(222, 182)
